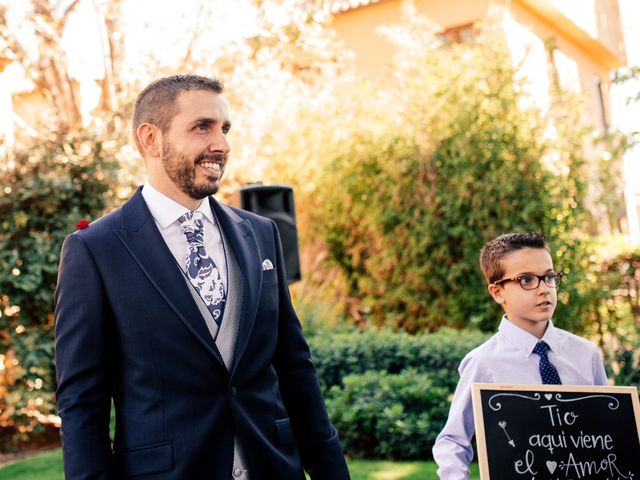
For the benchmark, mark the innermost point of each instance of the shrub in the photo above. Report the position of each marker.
(338, 355)
(406, 209)
(384, 415)
(387, 392)
(614, 306)
(47, 187)
(621, 278)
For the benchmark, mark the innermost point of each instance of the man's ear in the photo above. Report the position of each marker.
(150, 140)
(496, 291)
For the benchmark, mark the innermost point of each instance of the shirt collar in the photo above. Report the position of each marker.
(165, 210)
(523, 340)
(550, 336)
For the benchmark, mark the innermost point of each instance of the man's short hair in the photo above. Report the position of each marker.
(495, 250)
(156, 104)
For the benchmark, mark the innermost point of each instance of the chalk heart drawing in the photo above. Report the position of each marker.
(548, 397)
(502, 424)
(551, 466)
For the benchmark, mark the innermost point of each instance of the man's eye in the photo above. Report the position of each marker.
(526, 279)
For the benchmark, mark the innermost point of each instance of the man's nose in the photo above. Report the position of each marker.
(219, 143)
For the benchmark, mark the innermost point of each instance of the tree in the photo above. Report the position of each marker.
(404, 191)
(68, 173)
(47, 67)
(629, 74)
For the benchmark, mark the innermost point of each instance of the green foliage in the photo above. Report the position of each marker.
(382, 415)
(48, 187)
(614, 296)
(621, 275)
(338, 355)
(623, 366)
(405, 213)
(406, 178)
(613, 304)
(629, 74)
(388, 393)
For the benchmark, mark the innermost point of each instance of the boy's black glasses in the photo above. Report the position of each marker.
(528, 282)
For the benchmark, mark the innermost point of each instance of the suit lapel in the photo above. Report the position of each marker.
(242, 242)
(143, 240)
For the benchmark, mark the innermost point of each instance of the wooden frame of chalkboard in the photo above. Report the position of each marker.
(556, 432)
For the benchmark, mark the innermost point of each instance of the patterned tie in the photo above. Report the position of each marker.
(200, 268)
(548, 372)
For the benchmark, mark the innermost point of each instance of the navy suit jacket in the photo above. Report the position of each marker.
(127, 329)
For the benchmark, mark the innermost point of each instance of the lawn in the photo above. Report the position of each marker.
(48, 466)
(43, 466)
(378, 470)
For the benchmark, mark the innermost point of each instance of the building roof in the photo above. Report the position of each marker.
(547, 13)
(550, 14)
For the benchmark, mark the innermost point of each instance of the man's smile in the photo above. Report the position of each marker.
(212, 167)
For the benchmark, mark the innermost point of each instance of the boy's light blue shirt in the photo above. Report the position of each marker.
(507, 358)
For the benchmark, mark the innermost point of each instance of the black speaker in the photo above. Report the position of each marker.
(276, 202)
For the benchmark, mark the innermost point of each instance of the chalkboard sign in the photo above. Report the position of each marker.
(557, 432)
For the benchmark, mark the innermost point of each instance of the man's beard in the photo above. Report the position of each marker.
(182, 172)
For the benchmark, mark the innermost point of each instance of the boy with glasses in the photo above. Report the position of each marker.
(527, 349)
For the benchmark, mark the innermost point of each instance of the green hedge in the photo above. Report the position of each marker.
(383, 415)
(338, 355)
(388, 393)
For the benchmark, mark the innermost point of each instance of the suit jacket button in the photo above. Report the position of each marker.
(233, 391)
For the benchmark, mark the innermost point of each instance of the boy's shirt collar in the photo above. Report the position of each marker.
(523, 340)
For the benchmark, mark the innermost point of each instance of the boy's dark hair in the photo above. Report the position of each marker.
(156, 104)
(494, 250)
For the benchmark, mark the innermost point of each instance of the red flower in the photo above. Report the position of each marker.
(82, 224)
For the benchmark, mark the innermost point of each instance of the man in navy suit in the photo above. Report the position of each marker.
(176, 308)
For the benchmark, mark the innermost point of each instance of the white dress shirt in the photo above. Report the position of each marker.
(166, 212)
(507, 358)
